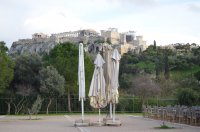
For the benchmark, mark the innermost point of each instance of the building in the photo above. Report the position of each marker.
(39, 36)
(111, 35)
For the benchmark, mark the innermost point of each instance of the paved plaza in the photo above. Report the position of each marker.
(65, 123)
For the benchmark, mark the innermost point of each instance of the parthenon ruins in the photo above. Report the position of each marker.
(41, 42)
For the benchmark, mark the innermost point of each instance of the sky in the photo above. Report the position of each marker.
(166, 21)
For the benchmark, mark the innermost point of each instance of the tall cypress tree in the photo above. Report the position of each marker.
(154, 45)
(166, 66)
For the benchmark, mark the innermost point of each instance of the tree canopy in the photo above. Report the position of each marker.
(26, 74)
(52, 84)
(6, 68)
(64, 57)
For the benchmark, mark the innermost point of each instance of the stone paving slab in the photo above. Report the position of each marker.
(66, 124)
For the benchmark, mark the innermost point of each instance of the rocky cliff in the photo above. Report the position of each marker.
(44, 45)
(31, 46)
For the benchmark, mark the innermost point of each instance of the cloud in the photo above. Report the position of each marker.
(141, 2)
(154, 19)
(194, 7)
(135, 2)
(62, 14)
(56, 20)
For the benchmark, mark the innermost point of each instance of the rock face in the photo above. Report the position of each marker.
(42, 43)
(31, 46)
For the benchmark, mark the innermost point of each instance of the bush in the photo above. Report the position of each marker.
(187, 97)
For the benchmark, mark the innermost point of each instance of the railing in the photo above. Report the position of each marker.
(176, 114)
(60, 105)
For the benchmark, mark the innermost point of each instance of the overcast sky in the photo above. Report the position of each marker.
(166, 21)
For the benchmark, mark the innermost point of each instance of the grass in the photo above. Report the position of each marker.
(146, 64)
(177, 75)
(163, 126)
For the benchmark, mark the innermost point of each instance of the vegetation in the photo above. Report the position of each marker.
(32, 83)
(6, 68)
(144, 87)
(26, 81)
(171, 71)
(64, 57)
(187, 97)
(52, 84)
(35, 107)
(164, 126)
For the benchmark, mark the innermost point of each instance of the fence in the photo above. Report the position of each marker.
(60, 105)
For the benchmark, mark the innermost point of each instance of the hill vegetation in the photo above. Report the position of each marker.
(30, 80)
(174, 73)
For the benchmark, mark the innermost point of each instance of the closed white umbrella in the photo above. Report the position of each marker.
(81, 78)
(97, 93)
(108, 52)
(114, 81)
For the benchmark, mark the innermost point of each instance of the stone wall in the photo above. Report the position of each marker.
(111, 35)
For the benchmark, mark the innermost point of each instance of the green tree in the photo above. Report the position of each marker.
(197, 76)
(3, 48)
(6, 68)
(166, 67)
(26, 81)
(154, 45)
(52, 84)
(157, 69)
(64, 57)
(196, 54)
(10, 97)
(149, 53)
(35, 107)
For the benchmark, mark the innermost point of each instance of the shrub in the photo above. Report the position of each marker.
(187, 97)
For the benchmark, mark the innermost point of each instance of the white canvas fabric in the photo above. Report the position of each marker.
(97, 93)
(115, 75)
(108, 52)
(81, 73)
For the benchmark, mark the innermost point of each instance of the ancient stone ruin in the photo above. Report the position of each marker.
(41, 43)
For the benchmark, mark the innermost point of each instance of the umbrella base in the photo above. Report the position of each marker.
(97, 123)
(110, 122)
(81, 123)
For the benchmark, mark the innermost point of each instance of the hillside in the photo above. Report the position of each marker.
(161, 71)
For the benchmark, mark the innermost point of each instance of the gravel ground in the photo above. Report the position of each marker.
(66, 124)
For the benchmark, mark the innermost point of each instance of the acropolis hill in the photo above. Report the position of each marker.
(42, 43)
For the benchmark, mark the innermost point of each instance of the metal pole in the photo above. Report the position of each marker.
(82, 107)
(99, 115)
(56, 105)
(133, 104)
(110, 110)
(114, 112)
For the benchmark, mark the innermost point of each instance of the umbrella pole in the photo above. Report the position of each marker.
(113, 112)
(110, 110)
(82, 109)
(99, 115)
